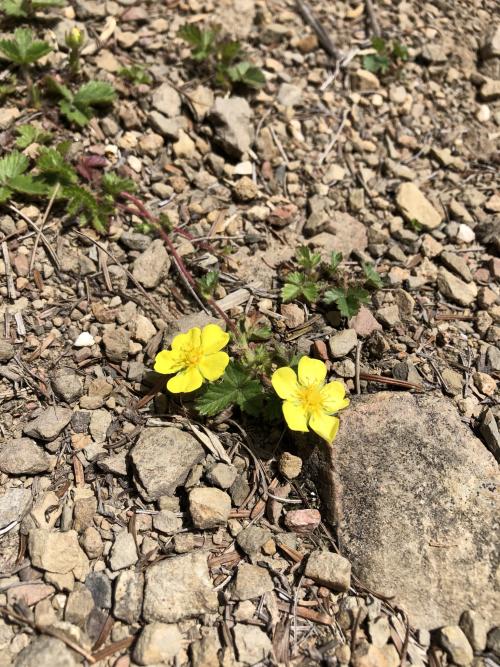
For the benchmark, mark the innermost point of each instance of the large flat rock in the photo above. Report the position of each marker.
(415, 497)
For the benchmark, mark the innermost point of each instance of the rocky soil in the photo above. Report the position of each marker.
(132, 535)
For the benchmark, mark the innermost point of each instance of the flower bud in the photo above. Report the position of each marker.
(74, 38)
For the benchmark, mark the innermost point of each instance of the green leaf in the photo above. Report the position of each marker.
(112, 184)
(307, 259)
(335, 260)
(28, 185)
(5, 194)
(12, 165)
(202, 41)
(310, 292)
(235, 388)
(376, 63)
(23, 50)
(13, 8)
(73, 114)
(297, 285)
(51, 163)
(45, 4)
(208, 283)
(379, 44)
(227, 51)
(400, 52)
(248, 74)
(53, 86)
(30, 134)
(136, 74)
(348, 301)
(372, 276)
(94, 94)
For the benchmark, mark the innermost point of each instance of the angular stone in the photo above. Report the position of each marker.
(55, 552)
(251, 582)
(79, 606)
(340, 232)
(116, 342)
(14, 504)
(475, 628)
(162, 460)
(68, 386)
(222, 475)
(209, 507)
(252, 644)
(179, 588)
(151, 267)
(123, 551)
(99, 585)
(414, 205)
(493, 643)
(166, 100)
(302, 521)
(128, 596)
(167, 522)
(22, 456)
(158, 642)
(342, 343)
(49, 423)
(290, 466)
(7, 350)
(46, 651)
(364, 324)
(252, 538)
(457, 264)
(204, 653)
(329, 569)
(455, 289)
(455, 643)
(231, 118)
(29, 594)
(430, 508)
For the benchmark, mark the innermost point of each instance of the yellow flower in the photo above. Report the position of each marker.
(195, 356)
(308, 401)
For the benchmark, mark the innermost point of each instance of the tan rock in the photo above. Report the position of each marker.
(414, 205)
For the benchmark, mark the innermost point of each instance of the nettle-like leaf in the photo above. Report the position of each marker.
(376, 63)
(12, 165)
(94, 94)
(25, 8)
(298, 285)
(23, 49)
(14, 179)
(83, 205)
(335, 260)
(135, 74)
(53, 167)
(373, 278)
(112, 184)
(202, 41)
(348, 300)
(31, 134)
(208, 283)
(307, 259)
(247, 74)
(235, 388)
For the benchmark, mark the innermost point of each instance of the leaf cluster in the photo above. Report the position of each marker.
(236, 387)
(23, 50)
(387, 57)
(31, 134)
(222, 56)
(27, 8)
(136, 74)
(80, 107)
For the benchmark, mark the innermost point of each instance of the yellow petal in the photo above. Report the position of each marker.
(285, 383)
(213, 366)
(311, 371)
(333, 397)
(187, 341)
(325, 426)
(295, 416)
(185, 381)
(168, 361)
(213, 338)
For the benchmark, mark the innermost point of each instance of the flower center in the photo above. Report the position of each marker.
(310, 398)
(192, 357)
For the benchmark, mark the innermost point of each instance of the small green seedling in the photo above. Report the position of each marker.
(27, 8)
(235, 388)
(136, 74)
(372, 277)
(223, 57)
(31, 134)
(387, 57)
(347, 299)
(299, 286)
(208, 284)
(75, 41)
(14, 179)
(24, 51)
(80, 107)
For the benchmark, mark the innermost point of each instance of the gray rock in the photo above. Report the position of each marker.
(488, 428)
(68, 386)
(128, 598)
(115, 464)
(201, 100)
(162, 460)
(99, 585)
(415, 206)
(167, 127)
(235, 16)
(491, 45)
(166, 100)
(252, 644)
(46, 652)
(167, 522)
(209, 508)
(123, 551)
(289, 95)
(329, 569)
(457, 264)
(475, 628)
(432, 487)
(48, 424)
(116, 342)
(151, 267)
(231, 118)
(455, 289)
(434, 53)
(222, 475)
(493, 358)
(179, 588)
(493, 643)
(455, 643)
(14, 504)
(388, 316)
(23, 457)
(251, 582)
(342, 343)
(341, 232)
(91, 542)
(55, 552)
(158, 642)
(79, 606)
(252, 538)
(344, 368)
(204, 652)
(7, 350)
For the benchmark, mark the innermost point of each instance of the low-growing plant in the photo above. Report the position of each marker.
(31, 134)
(136, 74)
(80, 107)
(27, 8)
(222, 57)
(14, 179)
(388, 57)
(23, 51)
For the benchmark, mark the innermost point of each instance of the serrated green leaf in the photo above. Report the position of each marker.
(73, 114)
(310, 292)
(227, 51)
(53, 86)
(247, 74)
(306, 258)
(208, 283)
(136, 74)
(30, 134)
(51, 163)
(379, 44)
(202, 41)
(112, 184)
(375, 63)
(28, 185)
(400, 52)
(289, 292)
(5, 194)
(13, 8)
(94, 94)
(373, 278)
(335, 260)
(348, 301)
(235, 388)
(12, 165)
(23, 49)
